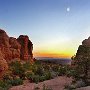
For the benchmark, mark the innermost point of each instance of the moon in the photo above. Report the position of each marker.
(68, 9)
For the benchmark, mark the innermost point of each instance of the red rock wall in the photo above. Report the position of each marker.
(26, 47)
(3, 65)
(13, 48)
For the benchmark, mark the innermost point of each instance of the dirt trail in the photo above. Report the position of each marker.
(57, 83)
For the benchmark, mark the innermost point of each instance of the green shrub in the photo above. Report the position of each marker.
(62, 71)
(37, 62)
(46, 67)
(6, 77)
(27, 66)
(42, 78)
(17, 69)
(48, 75)
(36, 78)
(16, 81)
(55, 68)
(29, 75)
(4, 85)
(38, 70)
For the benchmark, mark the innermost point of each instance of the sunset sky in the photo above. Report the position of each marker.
(56, 27)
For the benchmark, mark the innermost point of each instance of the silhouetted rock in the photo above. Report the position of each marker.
(82, 59)
(86, 42)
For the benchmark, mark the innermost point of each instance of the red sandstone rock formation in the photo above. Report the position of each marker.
(13, 48)
(4, 45)
(26, 47)
(3, 65)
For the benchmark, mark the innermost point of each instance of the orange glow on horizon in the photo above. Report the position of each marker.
(53, 55)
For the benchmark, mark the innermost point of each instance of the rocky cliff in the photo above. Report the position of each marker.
(82, 59)
(3, 65)
(26, 47)
(12, 48)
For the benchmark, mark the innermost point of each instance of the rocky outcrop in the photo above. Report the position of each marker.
(82, 59)
(86, 42)
(4, 45)
(26, 47)
(12, 48)
(3, 65)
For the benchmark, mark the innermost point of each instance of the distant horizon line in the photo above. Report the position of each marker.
(52, 57)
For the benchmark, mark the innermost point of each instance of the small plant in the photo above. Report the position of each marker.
(38, 70)
(27, 66)
(16, 81)
(17, 69)
(48, 75)
(42, 78)
(29, 75)
(36, 78)
(4, 85)
(62, 71)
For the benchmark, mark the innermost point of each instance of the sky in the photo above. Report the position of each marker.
(55, 27)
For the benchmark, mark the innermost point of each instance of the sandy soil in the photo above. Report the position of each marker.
(57, 83)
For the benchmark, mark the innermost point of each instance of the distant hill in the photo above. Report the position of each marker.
(62, 61)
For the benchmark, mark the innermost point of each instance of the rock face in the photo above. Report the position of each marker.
(82, 59)
(12, 48)
(86, 42)
(3, 65)
(26, 47)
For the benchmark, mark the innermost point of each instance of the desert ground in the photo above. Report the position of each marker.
(57, 83)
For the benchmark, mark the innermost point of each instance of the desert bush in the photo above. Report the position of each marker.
(74, 74)
(17, 69)
(42, 78)
(62, 71)
(4, 85)
(16, 81)
(46, 67)
(27, 66)
(48, 75)
(37, 62)
(6, 77)
(38, 70)
(55, 68)
(36, 78)
(29, 76)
